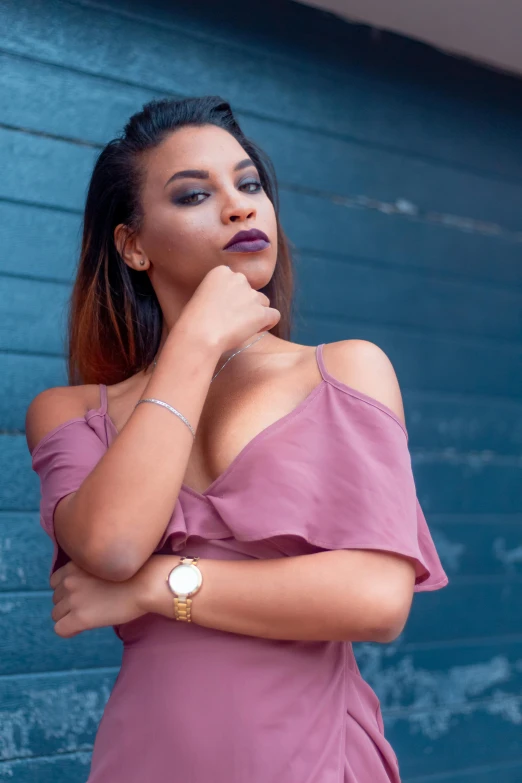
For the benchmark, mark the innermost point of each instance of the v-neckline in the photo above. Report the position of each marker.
(252, 442)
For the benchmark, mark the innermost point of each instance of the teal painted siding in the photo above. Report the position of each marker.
(401, 188)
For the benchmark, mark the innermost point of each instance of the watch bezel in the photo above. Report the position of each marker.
(195, 570)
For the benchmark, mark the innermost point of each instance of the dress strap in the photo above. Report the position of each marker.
(103, 398)
(320, 361)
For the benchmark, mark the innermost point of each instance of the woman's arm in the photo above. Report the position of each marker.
(357, 595)
(112, 524)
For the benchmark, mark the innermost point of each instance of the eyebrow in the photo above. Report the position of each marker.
(201, 174)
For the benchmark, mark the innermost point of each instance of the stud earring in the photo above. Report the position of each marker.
(142, 262)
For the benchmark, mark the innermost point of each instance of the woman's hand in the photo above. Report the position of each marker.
(83, 601)
(226, 310)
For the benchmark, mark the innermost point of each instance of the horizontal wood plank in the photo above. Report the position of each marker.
(24, 376)
(320, 225)
(434, 678)
(508, 772)
(44, 242)
(26, 325)
(61, 768)
(434, 362)
(450, 118)
(90, 110)
(25, 553)
(394, 296)
(463, 611)
(44, 179)
(28, 643)
(479, 550)
(442, 742)
(466, 424)
(52, 713)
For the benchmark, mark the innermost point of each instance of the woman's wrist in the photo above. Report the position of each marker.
(153, 591)
(154, 594)
(198, 342)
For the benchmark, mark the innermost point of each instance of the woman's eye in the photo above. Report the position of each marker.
(192, 198)
(188, 199)
(256, 184)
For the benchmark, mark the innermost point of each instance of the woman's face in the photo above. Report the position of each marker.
(190, 217)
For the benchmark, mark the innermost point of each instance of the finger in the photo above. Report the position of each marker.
(263, 299)
(57, 577)
(60, 610)
(69, 568)
(59, 593)
(67, 627)
(272, 317)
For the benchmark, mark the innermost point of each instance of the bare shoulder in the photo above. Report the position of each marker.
(364, 366)
(53, 407)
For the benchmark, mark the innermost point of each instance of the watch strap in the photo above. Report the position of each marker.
(182, 608)
(183, 603)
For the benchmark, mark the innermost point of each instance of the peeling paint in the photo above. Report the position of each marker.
(450, 551)
(407, 209)
(476, 460)
(431, 700)
(10, 769)
(508, 557)
(15, 729)
(5, 547)
(459, 427)
(507, 706)
(65, 713)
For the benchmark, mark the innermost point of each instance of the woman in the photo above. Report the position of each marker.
(283, 477)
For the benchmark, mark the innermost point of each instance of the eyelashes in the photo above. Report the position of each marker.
(188, 198)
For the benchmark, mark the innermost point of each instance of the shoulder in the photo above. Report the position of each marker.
(364, 366)
(53, 407)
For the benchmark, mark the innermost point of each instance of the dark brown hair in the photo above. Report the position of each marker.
(115, 320)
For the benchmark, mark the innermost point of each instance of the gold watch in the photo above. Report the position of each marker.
(184, 580)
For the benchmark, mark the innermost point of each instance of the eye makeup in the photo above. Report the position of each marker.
(185, 199)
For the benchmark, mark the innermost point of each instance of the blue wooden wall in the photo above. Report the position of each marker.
(400, 173)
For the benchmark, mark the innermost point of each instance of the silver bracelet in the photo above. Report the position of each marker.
(170, 408)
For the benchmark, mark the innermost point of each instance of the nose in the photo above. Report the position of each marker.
(238, 208)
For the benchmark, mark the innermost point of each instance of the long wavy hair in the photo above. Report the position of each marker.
(115, 321)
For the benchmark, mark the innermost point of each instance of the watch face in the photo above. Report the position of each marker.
(184, 579)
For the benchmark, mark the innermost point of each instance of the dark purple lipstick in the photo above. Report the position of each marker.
(248, 241)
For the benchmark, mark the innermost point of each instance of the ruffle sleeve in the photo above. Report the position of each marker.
(62, 459)
(337, 475)
(372, 496)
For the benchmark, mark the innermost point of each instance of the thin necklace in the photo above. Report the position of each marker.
(232, 356)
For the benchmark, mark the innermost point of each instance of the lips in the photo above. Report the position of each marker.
(248, 240)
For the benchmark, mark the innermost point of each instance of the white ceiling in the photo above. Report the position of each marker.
(489, 31)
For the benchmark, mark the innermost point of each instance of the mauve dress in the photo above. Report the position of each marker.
(198, 705)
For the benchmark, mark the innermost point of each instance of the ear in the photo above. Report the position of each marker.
(129, 247)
